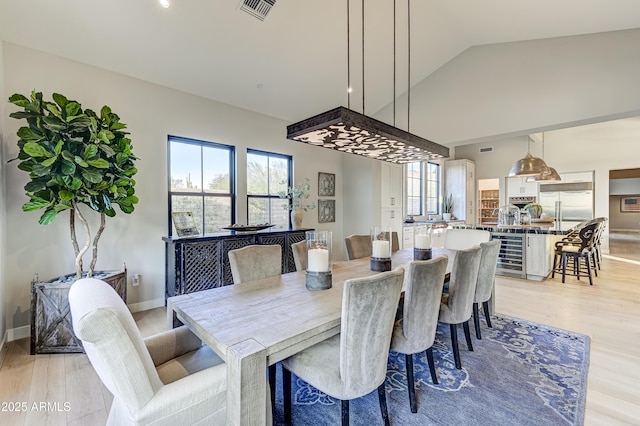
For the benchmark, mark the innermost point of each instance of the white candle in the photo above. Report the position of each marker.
(380, 249)
(318, 260)
(423, 242)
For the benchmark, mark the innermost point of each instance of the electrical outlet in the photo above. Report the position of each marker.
(136, 280)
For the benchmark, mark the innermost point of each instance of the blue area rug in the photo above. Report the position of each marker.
(521, 373)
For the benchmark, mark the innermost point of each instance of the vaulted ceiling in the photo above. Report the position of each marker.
(294, 63)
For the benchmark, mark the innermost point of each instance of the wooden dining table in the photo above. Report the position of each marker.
(256, 324)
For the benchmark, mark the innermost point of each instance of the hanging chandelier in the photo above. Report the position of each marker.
(529, 165)
(345, 130)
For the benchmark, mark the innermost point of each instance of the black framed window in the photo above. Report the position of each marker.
(202, 181)
(268, 174)
(415, 189)
(432, 178)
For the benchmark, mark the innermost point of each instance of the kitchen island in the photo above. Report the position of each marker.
(527, 250)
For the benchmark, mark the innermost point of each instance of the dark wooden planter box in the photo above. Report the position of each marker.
(51, 325)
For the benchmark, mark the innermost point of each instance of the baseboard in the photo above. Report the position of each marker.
(18, 333)
(146, 305)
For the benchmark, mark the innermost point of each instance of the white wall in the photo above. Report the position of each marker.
(151, 113)
(3, 209)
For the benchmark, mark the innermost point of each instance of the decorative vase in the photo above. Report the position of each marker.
(296, 218)
(446, 216)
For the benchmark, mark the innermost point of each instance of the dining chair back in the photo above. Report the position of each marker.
(299, 251)
(460, 239)
(457, 306)
(169, 378)
(353, 363)
(255, 262)
(415, 331)
(486, 281)
(358, 246)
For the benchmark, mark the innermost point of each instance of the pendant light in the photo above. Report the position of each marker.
(529, 165)
(345, 130)
(549, 175)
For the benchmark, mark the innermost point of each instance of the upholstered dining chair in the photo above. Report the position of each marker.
(255, 262)
(358, 246)
(460, 239)
(299, 251)
(416, 330)
(485, 283)
(456, 307)
(166, 379)
(353, 363)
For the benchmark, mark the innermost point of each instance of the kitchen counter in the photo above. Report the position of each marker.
(555, 228)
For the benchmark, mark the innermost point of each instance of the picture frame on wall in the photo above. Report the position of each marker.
(326, 184)
(630, 204)
(326, 211)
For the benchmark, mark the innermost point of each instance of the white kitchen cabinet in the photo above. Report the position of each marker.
(460, 181)
(539, 249)
(519, 187)
(571, 177)
(391, 196)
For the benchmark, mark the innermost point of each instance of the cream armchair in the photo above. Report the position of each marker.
(167, 379)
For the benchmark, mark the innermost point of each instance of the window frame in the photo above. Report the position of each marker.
(232, 195)
(422, 191)
(268, 196)
(438, 185)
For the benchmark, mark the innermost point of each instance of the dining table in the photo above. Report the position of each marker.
(256, 324)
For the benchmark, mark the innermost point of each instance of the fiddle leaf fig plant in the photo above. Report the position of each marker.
(74, 156)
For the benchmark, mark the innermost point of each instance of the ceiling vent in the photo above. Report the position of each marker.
(486, 149)
(258, 8)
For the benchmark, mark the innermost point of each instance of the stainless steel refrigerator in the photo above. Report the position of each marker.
(567, 202)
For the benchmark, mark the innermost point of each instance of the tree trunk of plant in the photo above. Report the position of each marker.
(95, 244)
(84, 249)
(74, 242)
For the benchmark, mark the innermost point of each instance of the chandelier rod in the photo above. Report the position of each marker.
(394, 63)
(363, 113)
(349, 90)
(408, 64)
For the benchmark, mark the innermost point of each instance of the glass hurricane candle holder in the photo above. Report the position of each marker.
(318, 272)
(380, 260)
(422, 242)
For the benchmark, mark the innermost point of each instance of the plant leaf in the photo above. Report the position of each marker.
(60, 99)
(99, 163)
(48, 217)
(49, 161)
(34, 205)
(90, 151)
(36, 150)
(79, 161)
(65, 195)
(92, 175)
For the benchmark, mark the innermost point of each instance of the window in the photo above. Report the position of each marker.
(267, 174)
(201, 181)
(433, 188)
(423, 188)
(414, 189)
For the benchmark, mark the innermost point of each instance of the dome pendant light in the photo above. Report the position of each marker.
(550, 175)
(529, 165)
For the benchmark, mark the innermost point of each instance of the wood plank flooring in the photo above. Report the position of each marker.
(608, 312)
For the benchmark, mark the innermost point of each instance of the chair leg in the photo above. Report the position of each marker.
(432, 366)
(344, 410)
(564, 266)
(586, 260)
(410, 383)
(555, 265)
(453, 328)
(272, 384)
(476, 320)
(382, 397)
(286, 394)
(467, 334)
(485, 308)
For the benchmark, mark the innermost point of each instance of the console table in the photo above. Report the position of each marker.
(202, 262)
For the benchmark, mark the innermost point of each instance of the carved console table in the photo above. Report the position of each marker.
(201, 262)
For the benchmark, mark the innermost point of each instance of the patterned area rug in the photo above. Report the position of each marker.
(521, 373)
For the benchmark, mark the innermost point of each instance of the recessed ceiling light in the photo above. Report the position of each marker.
(164, 3)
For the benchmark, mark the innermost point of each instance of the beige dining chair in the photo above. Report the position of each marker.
(299, 251)
(415, 331)
(460, 239)
(353, 363)
(166, 379)
(358, 246)
(457, 306)
(255, 262)
(486, 281)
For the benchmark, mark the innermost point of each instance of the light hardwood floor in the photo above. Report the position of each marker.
(608, 312)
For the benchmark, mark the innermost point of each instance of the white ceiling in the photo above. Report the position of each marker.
(294, 63)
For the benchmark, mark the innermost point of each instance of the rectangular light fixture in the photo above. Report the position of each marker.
(348, 131)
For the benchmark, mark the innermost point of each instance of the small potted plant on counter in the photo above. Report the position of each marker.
(447, 207)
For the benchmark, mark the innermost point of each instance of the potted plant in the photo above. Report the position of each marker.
(297, 204)
(74, 157)
(447, 207)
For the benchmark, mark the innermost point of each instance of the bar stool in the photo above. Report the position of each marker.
(582, 253)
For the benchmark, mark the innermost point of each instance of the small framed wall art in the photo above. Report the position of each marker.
(326, 184)
(630, 204)
(326, 211)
